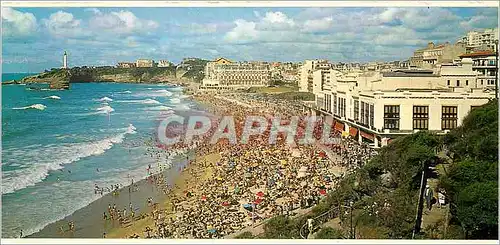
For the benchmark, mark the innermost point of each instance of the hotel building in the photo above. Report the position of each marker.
(126, 65)
(223, 74)
(375, 107)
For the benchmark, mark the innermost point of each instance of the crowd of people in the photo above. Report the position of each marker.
(254, 181)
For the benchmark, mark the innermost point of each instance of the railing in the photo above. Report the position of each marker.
(319, 220)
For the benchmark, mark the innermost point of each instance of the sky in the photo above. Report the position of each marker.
(34, 39)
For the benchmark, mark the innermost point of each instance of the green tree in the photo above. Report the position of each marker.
(329, 233)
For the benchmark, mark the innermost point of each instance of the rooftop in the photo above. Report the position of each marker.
(478, 54)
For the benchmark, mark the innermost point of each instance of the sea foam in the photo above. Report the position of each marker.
(54, 97)
(106, 99)
(53, 157)
(34, 106)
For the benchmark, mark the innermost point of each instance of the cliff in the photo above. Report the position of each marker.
(185, 72)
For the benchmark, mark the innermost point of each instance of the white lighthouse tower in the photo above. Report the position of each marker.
(65, 60)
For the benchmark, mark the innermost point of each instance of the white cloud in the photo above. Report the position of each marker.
(317, 25)
(243, 32)
(122, 22)
(17, 24)
(63, 24)
(276, 21)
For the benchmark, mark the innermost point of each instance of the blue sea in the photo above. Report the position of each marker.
(57, 144)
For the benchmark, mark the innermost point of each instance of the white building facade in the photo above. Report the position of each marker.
(223, 74)
(375, 107)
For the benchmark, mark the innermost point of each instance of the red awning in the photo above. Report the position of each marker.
(366, 135)
(353, 131)
(339, 126)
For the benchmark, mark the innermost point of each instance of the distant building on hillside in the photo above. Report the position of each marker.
(223, 74)
(164, 63)
(126, 65)
(144, 63)
(433, 55)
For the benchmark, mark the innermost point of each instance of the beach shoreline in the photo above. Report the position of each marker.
(86, 218)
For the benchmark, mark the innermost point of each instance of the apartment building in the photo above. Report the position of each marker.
(484, 64)
(165, 63)
(224, 74)
(375, 107)
(306, 73)
(481, 40)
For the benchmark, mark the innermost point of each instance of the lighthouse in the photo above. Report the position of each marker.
(65, 60)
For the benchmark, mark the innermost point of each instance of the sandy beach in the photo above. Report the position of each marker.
(209, 198)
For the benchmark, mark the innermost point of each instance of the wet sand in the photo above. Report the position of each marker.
(89, 222)
(184, 182)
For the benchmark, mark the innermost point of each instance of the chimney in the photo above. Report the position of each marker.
(430, 45)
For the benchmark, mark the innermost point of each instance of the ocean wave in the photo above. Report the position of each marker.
(53, 157)
(125, 92)
(146, 101)
(163, 92)
(105, 109)
(54, 97)
(160, 108)
(175, 100)
(175, 88)
(34, 106)
(105, 99)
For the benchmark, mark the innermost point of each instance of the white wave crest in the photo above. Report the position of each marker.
(54, 97)
(175, 100)
(105, 109)
(105, 99)
(146, 101)
(52, 157)
(34, 106)
(125, 92)
(160, 108)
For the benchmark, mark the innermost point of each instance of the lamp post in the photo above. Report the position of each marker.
(496, 69)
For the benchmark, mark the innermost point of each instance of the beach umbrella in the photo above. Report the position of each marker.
(258, 201)
(225, 204)
(260, 194)
(322, 192)
(203, 198)
(247, 206)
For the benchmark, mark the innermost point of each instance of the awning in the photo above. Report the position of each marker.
(353, 131)
(339, 126)
(366, 135)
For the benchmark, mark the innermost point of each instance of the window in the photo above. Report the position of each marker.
(449, 82)
(371, 115)
(356, 110)
(481, 81)
(335, 104)
(367, 114)
(449, 117)
(420, 117)
(391, 117)
(458, 83)
(466, 82)
(362, 119)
